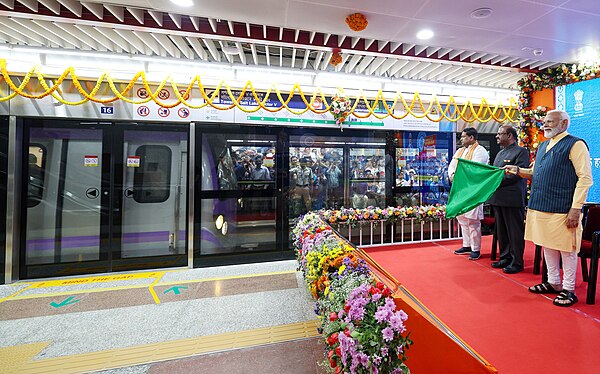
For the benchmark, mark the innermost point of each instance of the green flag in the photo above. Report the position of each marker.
(473, 184)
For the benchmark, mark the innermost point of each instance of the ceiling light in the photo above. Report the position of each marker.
(425, 34)
(184, 3)
(480, 13)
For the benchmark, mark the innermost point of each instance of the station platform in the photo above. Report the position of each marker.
(248, 318)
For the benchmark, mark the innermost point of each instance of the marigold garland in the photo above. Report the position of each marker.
(336, 58)
(435, 110)
(357, 22)
(529, 129)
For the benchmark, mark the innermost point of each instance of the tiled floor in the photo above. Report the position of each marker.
(237, 319)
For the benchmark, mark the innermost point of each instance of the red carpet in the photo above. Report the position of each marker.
(515, 330)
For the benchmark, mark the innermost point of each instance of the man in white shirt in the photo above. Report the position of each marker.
(470, 222)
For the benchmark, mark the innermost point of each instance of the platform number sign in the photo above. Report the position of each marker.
(107, 110)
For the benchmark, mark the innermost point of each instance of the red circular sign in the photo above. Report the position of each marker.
(164, 112)
(143, 111)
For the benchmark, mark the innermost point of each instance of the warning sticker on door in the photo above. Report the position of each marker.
(91, 161)
(133, 161)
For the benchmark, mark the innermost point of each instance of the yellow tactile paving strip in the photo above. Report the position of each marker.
(19, 359)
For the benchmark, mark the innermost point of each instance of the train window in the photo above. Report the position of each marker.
(35, 185)
(151, 180)
(238, 162)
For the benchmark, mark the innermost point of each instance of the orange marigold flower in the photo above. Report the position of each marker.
(357, 22)
(335, 59)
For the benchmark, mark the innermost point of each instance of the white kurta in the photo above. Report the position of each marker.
(550, 229)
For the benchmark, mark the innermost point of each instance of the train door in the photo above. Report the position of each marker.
(239, 196)
(102, 198)
(367, 176)
(421, 167)
(316, 177)
(3, 191)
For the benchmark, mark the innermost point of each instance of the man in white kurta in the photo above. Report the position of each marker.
(470, 222)
(558, 229)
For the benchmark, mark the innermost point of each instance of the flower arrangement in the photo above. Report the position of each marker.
(336, 57)
(529, 134)
(529, 130)
(364, 330)
(389, 214)
(340, 108)
(357, 22)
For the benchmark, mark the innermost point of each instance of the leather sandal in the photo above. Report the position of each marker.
(543, 288)
(565, 298)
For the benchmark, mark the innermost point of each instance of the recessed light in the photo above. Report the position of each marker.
(184, 3)
(482, 13)
(425, 34)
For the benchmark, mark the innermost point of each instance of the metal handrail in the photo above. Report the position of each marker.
(445, 230)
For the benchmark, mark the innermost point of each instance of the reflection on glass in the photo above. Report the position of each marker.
(367, 177)
(422, 169)
(238, 162)
(316, 179)
(237, 225)
(35, 187)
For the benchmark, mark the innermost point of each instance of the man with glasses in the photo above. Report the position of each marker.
(508, 202)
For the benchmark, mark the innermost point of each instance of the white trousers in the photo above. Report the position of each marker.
(471, 232)
(569, 265)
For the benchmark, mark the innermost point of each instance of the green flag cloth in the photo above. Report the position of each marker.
(473, 184)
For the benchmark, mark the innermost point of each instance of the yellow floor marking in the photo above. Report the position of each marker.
(13, 358)
(151, 288)
(14, 294)
(96, 279)
(155, 352)
(118, 288)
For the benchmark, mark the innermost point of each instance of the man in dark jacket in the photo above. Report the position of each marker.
(508, 202)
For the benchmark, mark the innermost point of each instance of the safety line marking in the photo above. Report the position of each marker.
(151, 288)
(135, 286)
(12, 296)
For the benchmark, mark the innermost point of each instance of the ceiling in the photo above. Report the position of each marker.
(488, 52)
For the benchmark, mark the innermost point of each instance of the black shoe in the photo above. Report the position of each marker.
(474, 255)
(512, 269)
(500, 264)
(463, 251)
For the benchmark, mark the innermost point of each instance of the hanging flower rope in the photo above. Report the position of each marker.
(357, 22)
(378, 107)
(529, 129)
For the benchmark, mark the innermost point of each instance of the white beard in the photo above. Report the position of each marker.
(550, 133)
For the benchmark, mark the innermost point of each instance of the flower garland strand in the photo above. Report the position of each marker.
(529, 130)
(435, 111)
